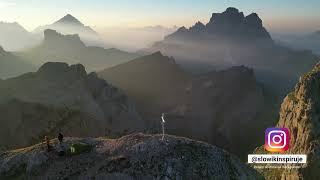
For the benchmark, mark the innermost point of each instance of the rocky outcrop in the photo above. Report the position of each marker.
(59, 97)
(135, 156)
(300, 113)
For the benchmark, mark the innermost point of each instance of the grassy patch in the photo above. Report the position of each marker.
(80, 148)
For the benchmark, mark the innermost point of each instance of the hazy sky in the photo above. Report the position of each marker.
(292, 15)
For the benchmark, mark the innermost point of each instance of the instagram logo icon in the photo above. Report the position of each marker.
(277, 139)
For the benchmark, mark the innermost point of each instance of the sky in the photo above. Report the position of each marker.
(277, 15)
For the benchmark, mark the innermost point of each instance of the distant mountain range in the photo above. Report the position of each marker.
(71, 49)
(309, 41)
(14, 37)
(12, 65)
(71, 25)
(232, 39)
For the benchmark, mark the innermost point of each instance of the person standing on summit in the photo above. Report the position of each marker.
(60, 137)
(61, 149)
(47, 142)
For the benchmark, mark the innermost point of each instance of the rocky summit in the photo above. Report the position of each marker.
(135, 156)
(62, 98)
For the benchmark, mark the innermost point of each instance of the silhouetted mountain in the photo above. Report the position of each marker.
(232, 39)
(231, 25)
(11, 65)
(14, 37)
(69, 19)
(209, 107)
(70, 49)
(71, 25)
(61, 98)
(154, 82)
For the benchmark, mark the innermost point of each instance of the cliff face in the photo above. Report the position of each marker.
(58, 97)
(135, 156)
(300, 113)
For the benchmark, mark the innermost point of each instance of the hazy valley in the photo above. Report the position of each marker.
(221, 84)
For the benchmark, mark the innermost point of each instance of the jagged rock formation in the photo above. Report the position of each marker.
(135, 156)
(230, 24)
(62, 98)
(11, 65)
(70, 49)
(232, 39)
(52, 39)
(209, 107)
(300, 114)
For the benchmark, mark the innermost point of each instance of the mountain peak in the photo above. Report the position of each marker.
(167, 160)
(229, 24)
(69, 19)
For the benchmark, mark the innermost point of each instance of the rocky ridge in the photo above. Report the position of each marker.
(135, 156)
